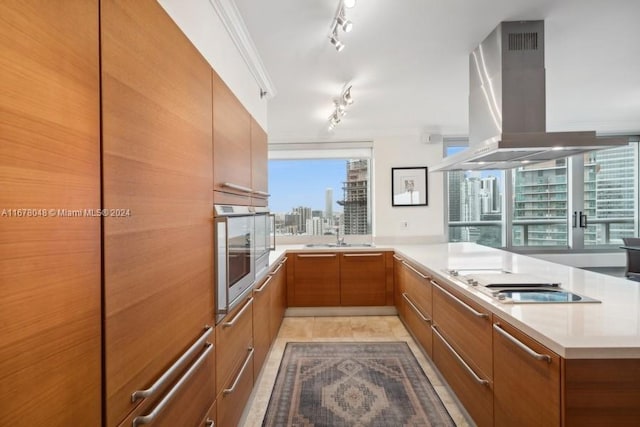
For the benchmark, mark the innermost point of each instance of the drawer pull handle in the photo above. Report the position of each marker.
(209, 423)
(317, 255)
(460, 359)
(396, 257)
(237, 187)
(279, 267)
(261, 193)
(237, 380)
(521, 345)
(418, 312)
(160, 382)
(238, 314)
(414, 270)
(459, 301)
(363, 254)
(149, 418)
(264, 285)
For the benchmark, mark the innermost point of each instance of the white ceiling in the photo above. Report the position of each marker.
(408, 63)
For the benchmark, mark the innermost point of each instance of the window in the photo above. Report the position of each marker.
(601, 209)
(475, 205)
(320, 190)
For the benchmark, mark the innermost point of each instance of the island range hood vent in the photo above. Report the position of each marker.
(507, 111)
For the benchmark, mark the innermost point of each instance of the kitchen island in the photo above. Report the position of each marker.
(569, 364)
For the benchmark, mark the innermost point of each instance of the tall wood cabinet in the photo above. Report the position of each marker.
(50, 345)
(157, 165)
(259, 165)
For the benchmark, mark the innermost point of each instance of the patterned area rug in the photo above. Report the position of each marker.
(353, 384)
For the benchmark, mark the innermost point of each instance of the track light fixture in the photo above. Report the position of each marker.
(340, 105)
(340, 20)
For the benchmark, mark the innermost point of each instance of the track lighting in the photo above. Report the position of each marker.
(340, 105)
(335, 42)
(340, 20)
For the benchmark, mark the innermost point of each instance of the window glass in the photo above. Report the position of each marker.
(540, 204)
(610, 178)
(475, 205)
(320, 197)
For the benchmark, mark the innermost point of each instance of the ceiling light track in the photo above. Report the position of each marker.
(340, 21)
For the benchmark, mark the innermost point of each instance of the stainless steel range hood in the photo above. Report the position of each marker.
(507, 114)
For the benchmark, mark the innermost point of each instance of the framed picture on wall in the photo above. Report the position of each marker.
(409, 186)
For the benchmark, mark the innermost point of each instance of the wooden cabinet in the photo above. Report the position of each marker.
(259, 165)
(415, 303)
(526, 381)
(234, 363)
(232, 147)
(462, 350)
(194, 392)
(313, 279)
(278, 297)
(268, 310)
(262, 307)
(50, 345)
(346, 278)
(363, 280)
(157, 165)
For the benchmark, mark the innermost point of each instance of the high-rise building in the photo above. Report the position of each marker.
(356, 218)
(455, 209)
(328, 203)
(303, 214)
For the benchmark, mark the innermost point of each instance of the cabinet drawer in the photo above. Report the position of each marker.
(466, 326)
(418, 287)
(234, 335)
(528, 370)
(417, 322)
(210, 419)
(236, 392)
(473, 390)
(186, 402)
(262, 295)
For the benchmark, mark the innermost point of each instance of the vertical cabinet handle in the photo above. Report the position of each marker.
(459, 301)
(520, 344)
(160, 382)
(238, 314)
(460, 359)
(150, 417)
(237, 380)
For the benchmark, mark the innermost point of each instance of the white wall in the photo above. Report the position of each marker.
(425, 223)
(200, 23)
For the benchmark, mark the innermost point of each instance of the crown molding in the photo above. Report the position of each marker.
(234, 24)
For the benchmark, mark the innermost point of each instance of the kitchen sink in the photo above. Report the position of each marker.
(339, 245)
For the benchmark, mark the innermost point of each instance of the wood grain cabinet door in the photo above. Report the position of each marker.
(526, 379)
(157, 168)
(363, 279)
(278, 297)
(262, 306)
(315, 280)
(50, 346)
(259, 165)
(231, 146)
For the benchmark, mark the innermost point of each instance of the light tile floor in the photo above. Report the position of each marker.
(362, 328)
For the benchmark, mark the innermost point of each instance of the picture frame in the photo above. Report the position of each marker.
(409, 186)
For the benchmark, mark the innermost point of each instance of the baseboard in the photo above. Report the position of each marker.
(340, 311)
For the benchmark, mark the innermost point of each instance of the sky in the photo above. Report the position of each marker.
(294, 183)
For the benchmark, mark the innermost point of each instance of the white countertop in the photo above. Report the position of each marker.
(610, 329)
